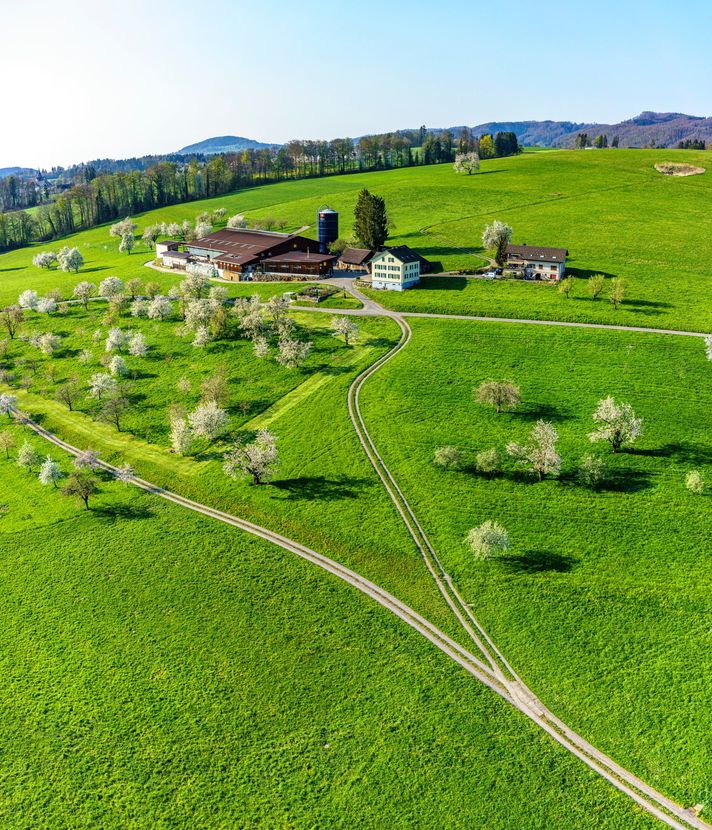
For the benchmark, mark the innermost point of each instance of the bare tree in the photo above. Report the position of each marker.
(69, 393)
(114, 409)
(500, 394)
(82, 485)
(11, 318)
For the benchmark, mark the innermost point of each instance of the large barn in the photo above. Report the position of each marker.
(238, 252)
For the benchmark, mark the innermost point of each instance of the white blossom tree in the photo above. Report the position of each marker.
(83, 292)
(127, 243)
(488, 540)
(237, 221)
(101, 384)
(27, 457)
(181, 436)
(116, 340)
(196, 313)
(540, 455)
(139, 308)
(45, 260)
(138, 347)
(202, 229)
(466, 163)
(617, 424)
(85, 357)
(7, 403)
(150, 235)
(258, 459)
(292, 353)
(111, 287)
(496, 237)
(591, 471)
(160, 308)
(28, 299)
(449, 458)
(708, 346)
(346, 328)
(70, 259)
(208, 420)
(500, 394)
(202, 337)
(196, 284)
(49, 343)
(123, 227)
(46, 305)
(261, 347)
(117, 366)
(125, 474)
(488, 462)
(50, 472)
(87, 460)
(695, 482)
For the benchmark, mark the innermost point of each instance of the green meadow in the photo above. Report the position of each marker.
(161, 670)
(614, 213)
(603, 603)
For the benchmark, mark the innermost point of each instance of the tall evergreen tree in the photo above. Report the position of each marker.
(370, 220)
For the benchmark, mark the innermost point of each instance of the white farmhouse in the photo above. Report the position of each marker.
(395, 269)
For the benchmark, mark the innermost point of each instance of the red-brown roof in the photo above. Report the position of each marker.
(533, 252)
(356, 256)
(298, 256)
(238, 240)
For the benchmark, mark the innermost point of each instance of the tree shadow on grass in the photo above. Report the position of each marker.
(586, 273)
(122, 512)
(539, 561)
(95, 268)
(540, 411)
(311, 488)
(626, 481)
(687, 452)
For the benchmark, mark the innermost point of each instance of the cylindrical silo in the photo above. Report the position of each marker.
(328, 227)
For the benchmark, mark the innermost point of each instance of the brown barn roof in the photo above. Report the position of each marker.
(298, 256)
(535, 253)
(356, 256)
(239, 240)
(245, 258)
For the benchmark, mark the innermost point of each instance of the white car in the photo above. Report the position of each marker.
(489, 275)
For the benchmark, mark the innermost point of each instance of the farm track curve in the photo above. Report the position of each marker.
(491, 667)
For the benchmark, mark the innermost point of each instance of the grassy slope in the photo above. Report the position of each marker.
(325, 479)
(604, 603)
(163, 671)
(610, 209)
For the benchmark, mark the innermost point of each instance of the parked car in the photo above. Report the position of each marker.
(489, 275)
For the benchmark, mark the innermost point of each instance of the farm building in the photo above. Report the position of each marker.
(542, 263)
(354, 259)
(395, 269)
(237, 252)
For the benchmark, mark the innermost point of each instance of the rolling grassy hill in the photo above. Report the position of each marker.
(611, 209)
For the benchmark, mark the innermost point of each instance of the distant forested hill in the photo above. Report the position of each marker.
(222, 144)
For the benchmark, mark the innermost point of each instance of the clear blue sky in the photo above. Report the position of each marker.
(87, 78)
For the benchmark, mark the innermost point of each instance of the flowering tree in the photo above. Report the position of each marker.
(70, 259)
(127, 243)
(540, 455)
(101, 384)
(138, 347)
(488, 462)
(7, 442)
(117, 366)
(139, 308)
(116, 340)
(591, 471)
(202, 229)
(617, 424)
(120, 229)
(695, 482)
(27, 457)
(45, 260)
(258, 459)
(496, 237)
(708, 346)
(150, 235)
(208, 420)
(261, 347)
(466, 163)
(46, 305)
(202, 337)
(292, 353)
(49, 343)
(125, 474)
(197, 281)
(87, 460)
(499, 394)
(28, 299)
(110, 287)
(449, 458)
(181, 436)
(488, 540)
(237, 221)
(343, 327)
(50, 472)
(7, 403)
(11, 318)
(83, 291)
(160, 308)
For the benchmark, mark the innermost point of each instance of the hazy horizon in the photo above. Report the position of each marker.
(96, 84)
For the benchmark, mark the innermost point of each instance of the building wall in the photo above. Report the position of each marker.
(389, 273)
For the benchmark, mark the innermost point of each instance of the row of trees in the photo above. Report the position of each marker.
(600, 141)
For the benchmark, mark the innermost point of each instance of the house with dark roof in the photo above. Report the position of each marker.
(395, 269)
(541, 263)
(354, 259)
